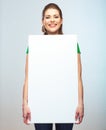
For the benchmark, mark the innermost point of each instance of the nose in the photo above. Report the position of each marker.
(52, 19)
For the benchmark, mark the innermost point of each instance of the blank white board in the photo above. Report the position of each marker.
(52, 78)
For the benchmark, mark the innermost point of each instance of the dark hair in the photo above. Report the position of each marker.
(53, 6)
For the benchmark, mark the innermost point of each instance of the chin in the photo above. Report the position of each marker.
(53, 31)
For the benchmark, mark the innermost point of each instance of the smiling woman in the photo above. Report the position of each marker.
(52, 21)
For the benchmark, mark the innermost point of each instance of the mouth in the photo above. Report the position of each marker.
(52, 25)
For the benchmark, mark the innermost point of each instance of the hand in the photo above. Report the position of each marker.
(79, 114)
(26, 114)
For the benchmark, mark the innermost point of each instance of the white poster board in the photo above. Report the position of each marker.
(52, 78)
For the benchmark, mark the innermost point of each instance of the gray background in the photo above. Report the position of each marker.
(20, 18)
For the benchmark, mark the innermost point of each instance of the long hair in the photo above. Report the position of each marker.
(53, 6)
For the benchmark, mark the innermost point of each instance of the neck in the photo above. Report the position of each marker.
(52, 33)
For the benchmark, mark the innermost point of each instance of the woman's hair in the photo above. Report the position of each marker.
(53, 6)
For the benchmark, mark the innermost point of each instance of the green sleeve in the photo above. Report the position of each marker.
(78, 49)
(27, 50)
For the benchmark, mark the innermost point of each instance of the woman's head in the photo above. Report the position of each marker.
(52, 19)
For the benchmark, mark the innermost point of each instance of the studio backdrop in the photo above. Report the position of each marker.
(18, 19)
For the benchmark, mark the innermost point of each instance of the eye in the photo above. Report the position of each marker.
(47, 17)
(56, 16)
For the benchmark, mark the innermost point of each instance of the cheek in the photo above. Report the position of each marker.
(46, 22)
(59, 21)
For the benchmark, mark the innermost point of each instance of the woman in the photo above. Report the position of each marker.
(52, 25)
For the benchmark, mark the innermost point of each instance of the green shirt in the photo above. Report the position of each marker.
(78, 49)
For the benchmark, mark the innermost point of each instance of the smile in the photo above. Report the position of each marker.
(52, 25)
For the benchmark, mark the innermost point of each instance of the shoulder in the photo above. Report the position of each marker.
(78, 49)
(27, 50)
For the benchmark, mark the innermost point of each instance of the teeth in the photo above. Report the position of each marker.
(52, 25)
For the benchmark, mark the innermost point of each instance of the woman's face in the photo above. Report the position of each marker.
(52, 21)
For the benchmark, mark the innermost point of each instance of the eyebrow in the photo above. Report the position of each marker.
(53, 15)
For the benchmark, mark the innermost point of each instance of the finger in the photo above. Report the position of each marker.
(26, 120)
(29, 116)
(76, 115)
(24, 115)
(80, 119)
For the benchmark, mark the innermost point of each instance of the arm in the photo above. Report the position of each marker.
(25, 108)
(80, 108)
